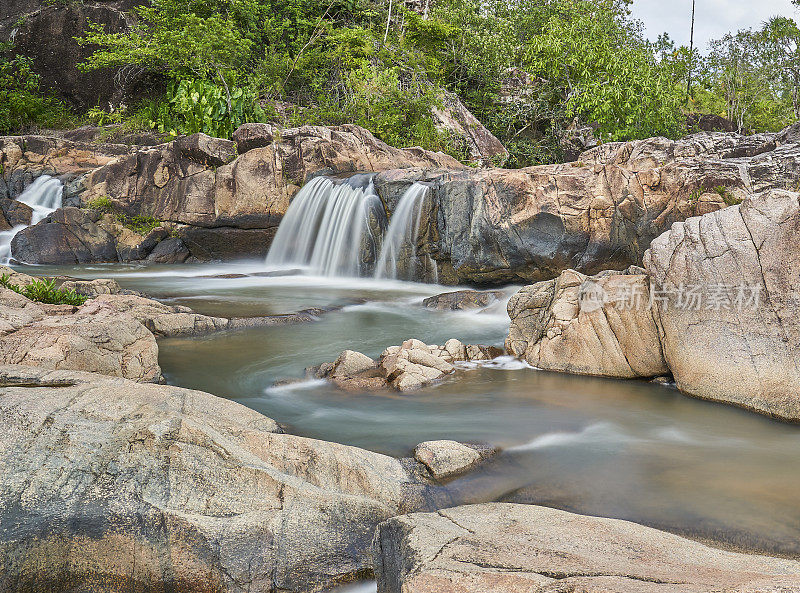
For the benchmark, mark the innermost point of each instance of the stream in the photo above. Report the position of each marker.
(624, 449)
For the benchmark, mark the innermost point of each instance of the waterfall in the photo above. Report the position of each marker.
(43, 196)
(329, 228)
(398, 257)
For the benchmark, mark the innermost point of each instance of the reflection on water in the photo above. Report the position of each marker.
(623, 449)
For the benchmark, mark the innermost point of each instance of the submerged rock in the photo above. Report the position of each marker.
(509, 548)
(407, 367)
(463, 299)
(116, 486)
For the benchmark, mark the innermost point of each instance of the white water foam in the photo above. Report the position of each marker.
(324, 228)
(44, 197)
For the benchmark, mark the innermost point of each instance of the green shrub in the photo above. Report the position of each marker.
(22, 104)
(44, 291)
(101, 204)
(141, 225)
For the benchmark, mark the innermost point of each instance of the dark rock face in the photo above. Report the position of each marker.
(463, 299)
(68, 236)
(170, 251)
(14, 213)
(601, 212)
(47, 36)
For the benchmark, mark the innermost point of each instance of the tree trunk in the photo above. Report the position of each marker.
(691, 56)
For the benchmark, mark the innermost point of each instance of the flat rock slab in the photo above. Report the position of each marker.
(114, 486)
(510, 548)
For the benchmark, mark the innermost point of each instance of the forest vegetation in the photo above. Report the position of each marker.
(384, 64)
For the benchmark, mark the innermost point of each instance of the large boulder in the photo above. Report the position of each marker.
(727, 306)
(601, 212)
(94, 337)
(596, 325)
(114, 486)
(46, 31)
(454, 119)
(717, 308)
(77, 236)
(509, 548)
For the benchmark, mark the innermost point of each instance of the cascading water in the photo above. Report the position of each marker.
(43, 196)
(329, 228)
(334, 229)
(398, 257)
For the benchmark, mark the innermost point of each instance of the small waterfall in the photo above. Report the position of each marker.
(329, 228)
(43, 196)
(398, 258)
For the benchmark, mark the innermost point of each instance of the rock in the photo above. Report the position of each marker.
(15, 277)
(445, 459)
(205, 150)
(407, 367)
(456, 120)
(463, 299)
(67, 236)
(92, 288)
(231, 207)
(95, 338)
(47, 36)
(508, 548)
(14, 213)
(352, 363)
(169, 251)
(601, 212)
(728, 285)
(709, 122)
(590, 325)
(111, 485)
(163, 320)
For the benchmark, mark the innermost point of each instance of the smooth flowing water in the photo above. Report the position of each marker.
(625, 449)
(398, 258)
(43, 196)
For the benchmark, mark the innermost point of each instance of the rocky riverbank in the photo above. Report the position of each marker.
(716, 305)
(206, 199)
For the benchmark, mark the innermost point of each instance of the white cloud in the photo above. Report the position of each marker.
(713, 18)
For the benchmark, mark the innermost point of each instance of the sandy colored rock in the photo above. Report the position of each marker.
(352, 363)
(92, 288)
(728, 314)
(509, 548)
(463, 300)
(113, 485)
(96, 338)
(591, 325)
(446, 458)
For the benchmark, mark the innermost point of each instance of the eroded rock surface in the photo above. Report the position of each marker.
(445, 459)
(509, 548)
(118, 486)
(728, 319)
(590, 325)
(94, 337)
(600, 212)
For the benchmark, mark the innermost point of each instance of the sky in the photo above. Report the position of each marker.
(713, 18)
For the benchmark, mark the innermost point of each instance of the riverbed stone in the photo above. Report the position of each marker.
(445, 458)
(510, 548)
(114, 486)
(351, 363)
(463, 300)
